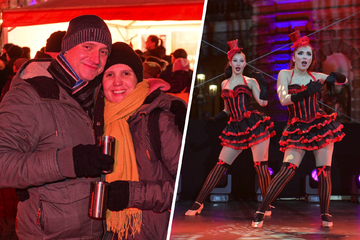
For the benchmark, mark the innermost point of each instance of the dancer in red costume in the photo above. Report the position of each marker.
(309, 128)
(247, 128)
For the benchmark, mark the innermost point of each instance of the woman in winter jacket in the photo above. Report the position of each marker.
(141, 185)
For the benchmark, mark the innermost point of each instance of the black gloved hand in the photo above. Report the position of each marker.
(312, 88)
(339, 77)
(118, 195)
(22, 194)
(262, 84)
(89, 161)
(332, 78)
(218, 117)
(330, 83)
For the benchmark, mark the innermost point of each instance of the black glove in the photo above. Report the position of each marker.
(218, 117)
(330, 83)
(89, 161)
(262, 83)
(22, 194)
(340, 78)
(332, 78)
(118, 195)
(312, 88)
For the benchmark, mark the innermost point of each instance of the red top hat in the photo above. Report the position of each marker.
(234, 48)
(297, 40)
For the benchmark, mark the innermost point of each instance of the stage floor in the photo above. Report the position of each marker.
(291, 219)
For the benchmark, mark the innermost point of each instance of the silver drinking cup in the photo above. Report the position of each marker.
(98, 199)
(107, 144)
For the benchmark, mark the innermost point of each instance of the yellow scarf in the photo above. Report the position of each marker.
(125, 167)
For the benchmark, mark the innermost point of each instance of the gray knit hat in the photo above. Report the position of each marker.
(86, 28)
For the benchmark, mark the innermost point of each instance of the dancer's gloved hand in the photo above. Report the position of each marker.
(89, 161)
(218, 117)
(339, 77)
(332, 78)
(262, 84)
(312, 88)
(118, 195)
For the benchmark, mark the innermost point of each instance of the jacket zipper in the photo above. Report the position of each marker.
(38, 217)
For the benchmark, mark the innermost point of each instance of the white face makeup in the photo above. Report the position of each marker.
(303, 57)
(238, 63)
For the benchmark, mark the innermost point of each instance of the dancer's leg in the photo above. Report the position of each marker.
(226, 158)
(323, 163)
(260, 155)
(292, 157)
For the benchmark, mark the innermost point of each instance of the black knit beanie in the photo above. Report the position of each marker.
(15, 51)
(7, 46)
(122, 53)
(86, 28)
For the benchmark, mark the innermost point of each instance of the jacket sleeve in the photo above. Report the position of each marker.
(178, 81)
(21, 163)
(166, 74)
(150, 195)
(158, 195)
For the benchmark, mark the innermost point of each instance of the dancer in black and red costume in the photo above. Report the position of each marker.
(247, 128)
(309, 128)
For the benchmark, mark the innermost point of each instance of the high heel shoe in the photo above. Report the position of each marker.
(326, 222)
(195, 211)
(268, 211)
(258, 220)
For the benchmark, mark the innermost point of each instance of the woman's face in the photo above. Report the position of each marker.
(303, 57)
(238, 63)
(118, 81)
(149, 44)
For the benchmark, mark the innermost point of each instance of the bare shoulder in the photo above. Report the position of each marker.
(318, 75)
(250, 81)
(223, 83)
(285, 73)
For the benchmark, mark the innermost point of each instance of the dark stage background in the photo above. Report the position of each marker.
(262, 28)
(203, 147)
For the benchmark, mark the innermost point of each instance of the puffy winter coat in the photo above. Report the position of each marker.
(40, 124)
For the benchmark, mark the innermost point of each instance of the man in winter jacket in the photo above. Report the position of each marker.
(47, 144)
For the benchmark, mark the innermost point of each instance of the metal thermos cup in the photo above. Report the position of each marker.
(98, 199)
(107, 144)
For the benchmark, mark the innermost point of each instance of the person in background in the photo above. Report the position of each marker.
(142, 184)
(180, 80)
(162, 63)
(5, 48)
(247, 128)
(151, 70)
(168, 71)
(308, 128)
(17, 64)
(26, 53)
(13, 53)
(154, 47)
(47, 143)
(53, 46)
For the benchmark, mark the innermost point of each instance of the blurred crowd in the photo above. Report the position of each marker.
(173, 68)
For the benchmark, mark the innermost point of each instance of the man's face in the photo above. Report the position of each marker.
(87, 59)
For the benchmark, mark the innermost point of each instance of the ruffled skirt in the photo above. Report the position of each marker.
(315, 134)
(252, 129)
